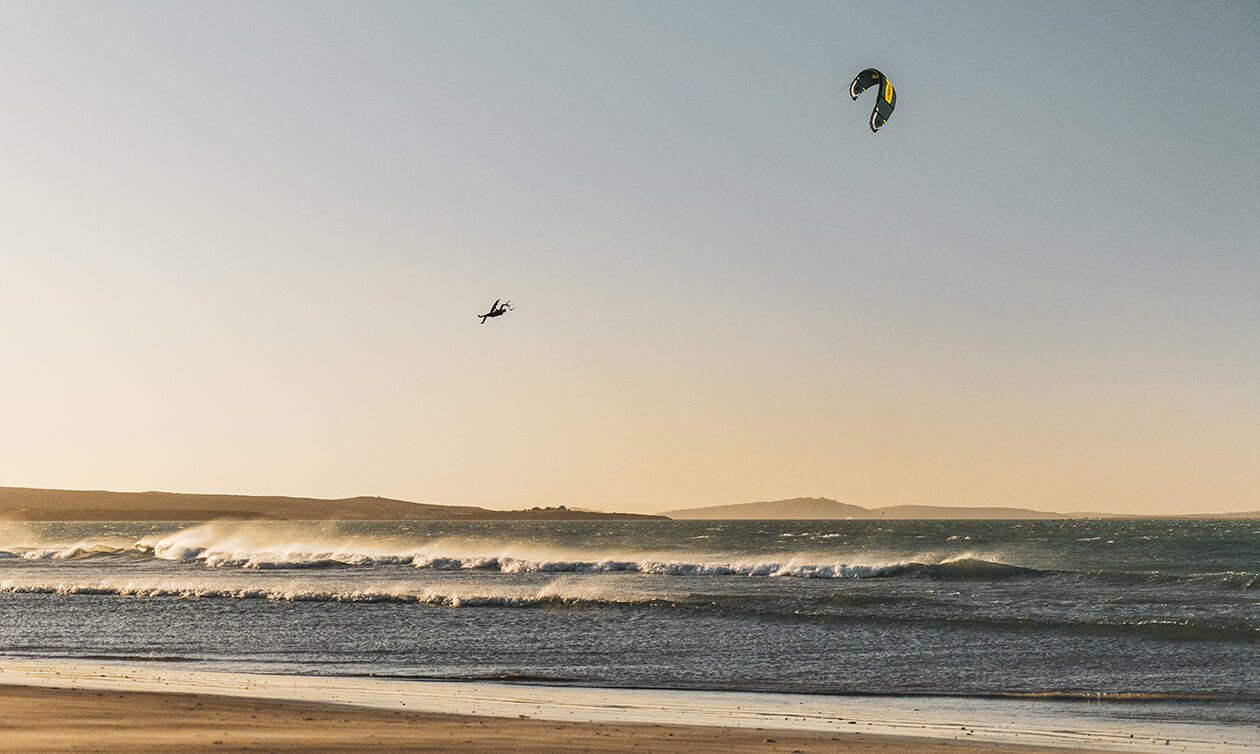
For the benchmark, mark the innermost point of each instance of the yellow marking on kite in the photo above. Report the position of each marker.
(887, 92)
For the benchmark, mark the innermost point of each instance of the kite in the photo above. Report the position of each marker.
(887, 98)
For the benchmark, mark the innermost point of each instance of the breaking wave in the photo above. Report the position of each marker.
(293, 547)
(219, 545)
(298, 594)
(964, 568)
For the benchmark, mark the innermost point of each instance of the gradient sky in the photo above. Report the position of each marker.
(244, 245)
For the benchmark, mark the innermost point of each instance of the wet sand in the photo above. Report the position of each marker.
(50, 705)
(61, 720)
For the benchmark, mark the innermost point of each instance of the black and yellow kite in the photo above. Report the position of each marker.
(887, 98)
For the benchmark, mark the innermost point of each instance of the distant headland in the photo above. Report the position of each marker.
(31, 504)
(816, 508)
(28, 504)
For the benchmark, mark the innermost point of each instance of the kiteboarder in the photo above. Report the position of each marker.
(496, 310)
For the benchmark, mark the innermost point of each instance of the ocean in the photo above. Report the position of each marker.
(1159, 619)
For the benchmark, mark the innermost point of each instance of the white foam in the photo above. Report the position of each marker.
(255, 546)
(194, 586)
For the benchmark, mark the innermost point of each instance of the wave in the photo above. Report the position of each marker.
(64, 551)
(551, 594)
(1114, 696)
(254, 546)
(1157, 630)
(1242, 580)
(569, 593)
(957, 568)
(233, 545)
(962, 568)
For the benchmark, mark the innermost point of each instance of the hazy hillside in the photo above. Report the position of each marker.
(823, 508)
(800, 508)
(26, 504)
(796, 508)
(942, 512)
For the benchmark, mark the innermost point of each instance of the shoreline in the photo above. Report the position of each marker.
(40, 719)
(910, 723)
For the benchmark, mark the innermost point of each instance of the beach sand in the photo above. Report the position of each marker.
(50, 705)
(60, 720)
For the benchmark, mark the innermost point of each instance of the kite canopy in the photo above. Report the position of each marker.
(887, 98)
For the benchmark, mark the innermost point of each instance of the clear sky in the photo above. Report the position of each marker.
(244, 243)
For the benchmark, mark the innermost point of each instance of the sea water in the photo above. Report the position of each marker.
(1158, 618)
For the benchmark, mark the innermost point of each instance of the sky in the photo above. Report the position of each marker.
(244, 245)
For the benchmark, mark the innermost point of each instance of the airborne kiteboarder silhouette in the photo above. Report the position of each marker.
(496, 310)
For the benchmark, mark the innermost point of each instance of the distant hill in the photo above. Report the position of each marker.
(822, 508)
(27, 504)
(904, 512)
(797, 507)
(802, 508)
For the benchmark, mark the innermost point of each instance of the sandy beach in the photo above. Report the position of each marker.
(36, 719)
(53, 706)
